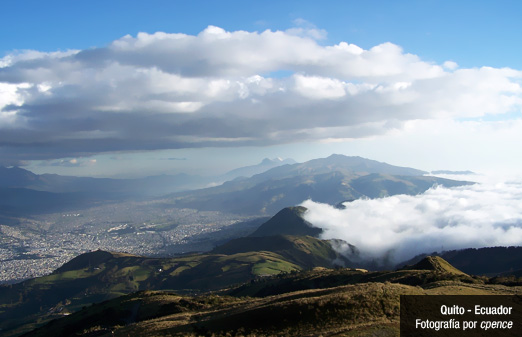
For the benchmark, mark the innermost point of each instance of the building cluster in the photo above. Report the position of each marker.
(39, 246)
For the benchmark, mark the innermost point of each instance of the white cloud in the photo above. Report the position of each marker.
(305, 28)
(450, 65)
(399, 227)
(72, 162)
(161, 90)
(314, 87)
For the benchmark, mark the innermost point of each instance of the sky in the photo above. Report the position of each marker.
(135, 88)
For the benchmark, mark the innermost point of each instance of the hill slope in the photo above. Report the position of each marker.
(436, 264)
(304, 251)
(338, 302)
(99, 275)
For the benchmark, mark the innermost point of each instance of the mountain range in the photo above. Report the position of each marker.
(23, 192)
(262, 189)
(328, 180)
(16, 177)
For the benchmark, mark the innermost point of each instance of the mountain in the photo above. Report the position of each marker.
(48, 193)
(328, 180)
(25, 193)
(24, 201)
(151, 186)
(304, 251)
(263, 166)
(16, 177)
(337, 162)
(436, 264)
(261, 189)
(288, 221)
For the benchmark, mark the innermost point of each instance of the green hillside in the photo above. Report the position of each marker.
(327, 278)
(364, 307)
(99, 275)
(304, 251)
(278, 280)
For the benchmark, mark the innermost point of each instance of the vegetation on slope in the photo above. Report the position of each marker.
(364, 308)
(98, 276)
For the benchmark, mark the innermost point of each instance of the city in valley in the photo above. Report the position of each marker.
(38, 245)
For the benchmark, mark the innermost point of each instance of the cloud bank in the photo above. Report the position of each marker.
(395, 229)
(220, 88)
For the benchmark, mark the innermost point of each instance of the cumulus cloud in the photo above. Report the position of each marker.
(395, 229)
(220, 88)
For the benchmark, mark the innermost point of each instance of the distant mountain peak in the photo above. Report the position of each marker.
(265, 165)
(16, 177)
(277, 160)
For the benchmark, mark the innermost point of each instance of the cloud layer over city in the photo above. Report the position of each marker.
(220, 88)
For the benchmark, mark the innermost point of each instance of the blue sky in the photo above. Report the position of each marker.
(474, 33)
(57, 111)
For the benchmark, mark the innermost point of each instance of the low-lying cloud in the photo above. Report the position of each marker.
(221, 88)
(397, 228)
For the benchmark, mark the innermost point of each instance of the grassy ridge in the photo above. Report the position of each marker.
(98, 276)
(362, 309)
